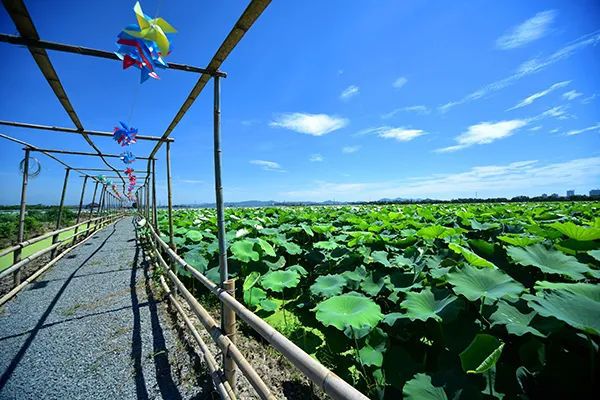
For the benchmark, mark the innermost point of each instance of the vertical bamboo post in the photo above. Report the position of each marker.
(92, 204)
(100, 201)
(60, 208)
(170, 197)
(154, 212)
(230, 330)
(227, 315)
(21, 234)
(147, 201)
(81, 198)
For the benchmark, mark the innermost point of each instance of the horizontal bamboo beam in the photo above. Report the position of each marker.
(326, 380)
(87, 51)
(222, 386)
(82, 153)
(79, 132)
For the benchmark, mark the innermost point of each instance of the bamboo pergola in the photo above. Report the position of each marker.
(147, 206)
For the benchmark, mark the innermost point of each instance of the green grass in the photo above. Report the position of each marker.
(7, 260)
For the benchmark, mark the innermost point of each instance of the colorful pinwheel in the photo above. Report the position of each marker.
(124, 135)
(151, 29)
(144, 45)
(129, 171)
(127, 157)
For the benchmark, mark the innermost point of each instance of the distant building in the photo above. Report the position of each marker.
(544, 195)
(570, 193)
(554, 195)
(594, 192)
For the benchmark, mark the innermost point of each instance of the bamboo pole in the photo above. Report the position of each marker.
(93, 199)
(154, 212)
(21, 234)
(326, 380)
(229, 329)
(60, 207)
(170, 197)
(223, 387)
(85, 178)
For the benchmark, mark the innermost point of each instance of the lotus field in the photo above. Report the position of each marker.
(453, 301)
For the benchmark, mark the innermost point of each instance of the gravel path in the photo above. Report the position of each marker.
(90, 328)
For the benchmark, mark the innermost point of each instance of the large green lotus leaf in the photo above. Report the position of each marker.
(475, 283)
(349, 310)
(299, 269)
(421, 388)
(266, 247)
(254, 296)
(471, 257)
(375, 345)
(251, 280)
(370, 356)
(423, 305)
(548, 261)
(590, 290)
(292, 248)
(595, 254)
(280, 263)
(516, 323)
(196, 259)
(478, 226)
(577, 232)
(328, 285)
(373, 283)
(326, 245)
(575, 309)
(194, 236)
(519, 240)
(482, 354)
(243, 251)
(381, 257)
(435, 232)
(279, 280)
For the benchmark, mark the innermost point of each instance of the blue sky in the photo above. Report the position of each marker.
(330, 100)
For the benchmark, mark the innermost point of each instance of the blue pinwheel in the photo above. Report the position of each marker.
(124, 135)
(127, 157)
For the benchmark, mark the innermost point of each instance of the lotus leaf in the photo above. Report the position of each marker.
(421, 388)
(328, 285)
(475, 283)
(243, 251)
(516, 322)
(482, 354)
(471, 257)
(423, 305)
(349, 310)
(577, 232)
(279, 280)
(548, 261)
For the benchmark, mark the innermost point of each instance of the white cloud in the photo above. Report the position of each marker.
(268, 165)
(589, 128)
(571, 95)
(310, 124)
(528, 100)
(588, 99)
(350, 149)
(420, 109)
(532, 29)
(484, 133)
(398, 83)
(535, 128)
(555, 130)
(316, 158)
(527, 68)
(529, 177)
(559, 112)
(349, 92)
(192, 181)
(388, 132)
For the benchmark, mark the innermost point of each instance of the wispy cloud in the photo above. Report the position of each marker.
(589, 99)
(316, 158)
(527, 68)
(571, 95)
(535, 128)
(349, 92)
(521, 177)
(350, 149)
(528, 100)
(310, 124)
(484, 133)
(192, 181)
(532, 29)
(398, 83)
(420, 109)
(400, 134)
(589, 128)
(268, 165)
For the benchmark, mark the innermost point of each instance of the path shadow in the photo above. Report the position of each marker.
(19, 356)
